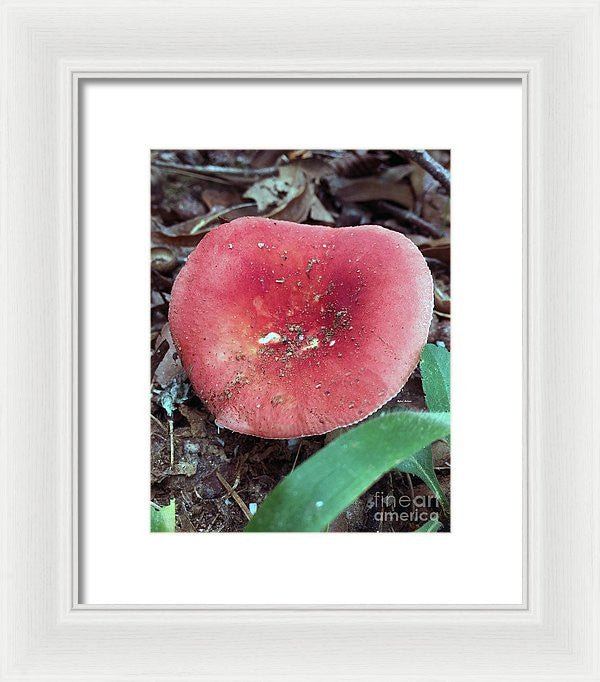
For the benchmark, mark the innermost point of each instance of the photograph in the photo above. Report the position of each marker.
(304, 165)
(300, 340)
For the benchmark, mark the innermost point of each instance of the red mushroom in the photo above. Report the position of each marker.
(289, 330)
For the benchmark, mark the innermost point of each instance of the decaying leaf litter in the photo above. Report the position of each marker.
(217, 476)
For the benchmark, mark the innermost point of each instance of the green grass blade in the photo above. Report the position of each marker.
(435, 375)
(322, 487)
(420, 464)
(431, 526)
(162, 519)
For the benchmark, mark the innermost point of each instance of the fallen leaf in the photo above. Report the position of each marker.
(355, 164)
(290, 195)
(372, 188)
(315, 167)
(298, 208)
(196, 420)
(169, 365)
(320, 214)
(220, 198)
(264, 158)
(224, 215)
(278, 190)
(441, 301)
(437, 248)
(187, 207)
(189, 232)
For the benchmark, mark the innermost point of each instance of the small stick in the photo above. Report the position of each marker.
(162, 426)
(412, 219)
(297, 453)
(241, 504)
(218, 170)
(212, 523)
(171, 442)
(428, 163)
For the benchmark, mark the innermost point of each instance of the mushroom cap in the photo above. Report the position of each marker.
(289, 330)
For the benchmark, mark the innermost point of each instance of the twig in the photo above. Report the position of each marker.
(204, 222)
(241, 504)
(162, 426)
(171, 443)
(412, 219)
(428, 163)
(212, 523)
(297, 453)
(217, 170)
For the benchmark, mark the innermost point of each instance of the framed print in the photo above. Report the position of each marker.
(203, 463)
(294, 307)
(263, 200)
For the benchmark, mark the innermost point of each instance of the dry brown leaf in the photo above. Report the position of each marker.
(315, 167)
(441, 301)
(264, 158)
(223, 216)
(372, 189)
(320, 214)
(296, 209)
(278, 190)
(220, 198)
(190, 232)
(437, 248)
(290, 195)
(397, 173)
(196, 420)
(179, 229)
(170, 365)
(355, 164)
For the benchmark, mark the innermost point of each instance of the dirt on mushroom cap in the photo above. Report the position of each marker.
(288, 330)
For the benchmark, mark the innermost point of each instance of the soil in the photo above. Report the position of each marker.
(216, 475)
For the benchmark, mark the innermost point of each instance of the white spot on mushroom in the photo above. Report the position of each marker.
(280, 281)
(332, 343)
(271, 337)
(312, 343)
(230, 246)
(260, 245)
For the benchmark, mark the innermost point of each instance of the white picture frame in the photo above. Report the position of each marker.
(47, 48)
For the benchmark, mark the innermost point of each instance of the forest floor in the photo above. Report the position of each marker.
(214, 474)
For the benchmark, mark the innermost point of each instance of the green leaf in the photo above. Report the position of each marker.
(421, 464)
(431, 526)
(162, 519)
(435, 375)
(322, 487)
